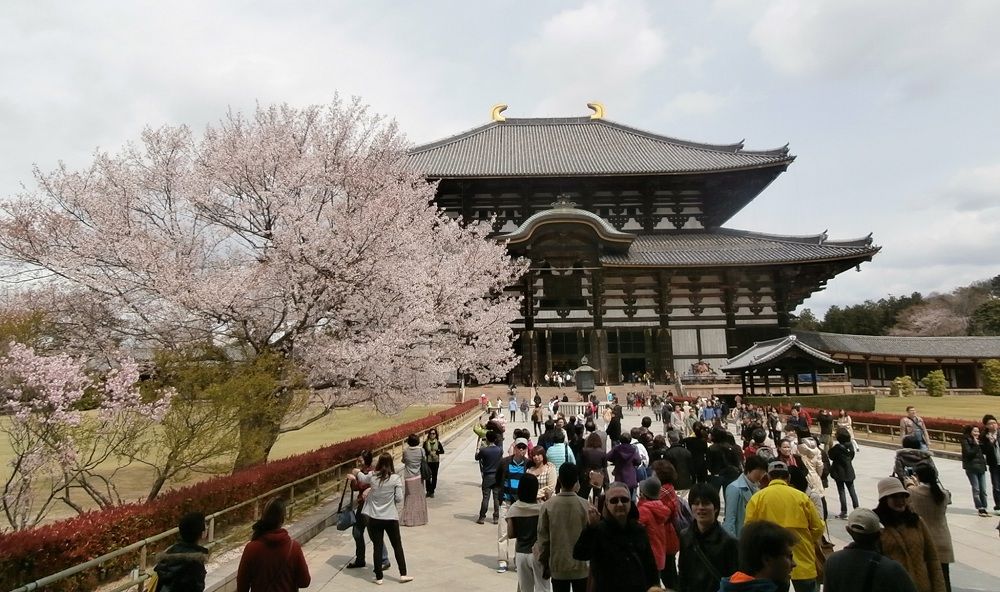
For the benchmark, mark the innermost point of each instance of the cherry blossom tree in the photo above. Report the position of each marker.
(296, 233)
(57, 447)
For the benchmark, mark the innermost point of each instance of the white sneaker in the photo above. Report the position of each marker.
(405, 579)
(502, 568)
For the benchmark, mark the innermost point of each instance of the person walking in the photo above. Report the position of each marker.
(930, 501)
(844, 422)
(861, 567)
(380, 508)
(544, 473)
(559, 452)
(415, 502)
(522, 526)
(974, 465)
(489, 458)
(617, 547)
(181, 566)
(537, 417)
(680, 457)
(433, 449)
(360, 520)
(272, 561)
(592, 459)
(655, 517)
(512, 407)
(990, 441)
(707, 552)
(906, 538)
(625, 458)
(842, 470)
(509, 474)
(560, 523)
(789, 507)
(913, 425)
(739, 492)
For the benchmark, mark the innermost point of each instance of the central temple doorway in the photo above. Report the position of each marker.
(632, 365)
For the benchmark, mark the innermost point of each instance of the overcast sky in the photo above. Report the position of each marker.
(891, 107)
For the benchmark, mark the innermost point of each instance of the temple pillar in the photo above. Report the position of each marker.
(548, 351)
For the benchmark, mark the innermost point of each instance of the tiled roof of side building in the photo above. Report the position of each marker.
(910, 347)
(578, 146)
(737, 247)
(766, 352)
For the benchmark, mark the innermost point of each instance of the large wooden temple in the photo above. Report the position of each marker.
(630, 262)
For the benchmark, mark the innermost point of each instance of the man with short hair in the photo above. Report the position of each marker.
(739, 492)
(489, 457)
(786, 506)
(681, 458)
(797, 420)
(766, 559)
(508, 476)
(861, 567)
(990, 443)
(563, 518)
(182, 566)
(913, 425)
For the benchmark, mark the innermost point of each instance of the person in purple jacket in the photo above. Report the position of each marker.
(625, 457)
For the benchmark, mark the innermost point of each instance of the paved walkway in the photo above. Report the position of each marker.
(452, 552)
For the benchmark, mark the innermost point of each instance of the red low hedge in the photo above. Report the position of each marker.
(29, 555)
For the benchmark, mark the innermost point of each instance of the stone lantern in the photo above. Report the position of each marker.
(583, 377)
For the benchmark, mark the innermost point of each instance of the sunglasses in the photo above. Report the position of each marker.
(614, 501)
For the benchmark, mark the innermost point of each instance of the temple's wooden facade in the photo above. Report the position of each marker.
(630, 263)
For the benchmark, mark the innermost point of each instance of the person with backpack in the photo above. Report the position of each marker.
(678, 518)
(181, 568)
(708, 553)
(861, 567)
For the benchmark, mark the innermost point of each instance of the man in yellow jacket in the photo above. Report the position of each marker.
(784, 505)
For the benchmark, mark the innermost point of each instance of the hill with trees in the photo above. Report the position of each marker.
(966, 310)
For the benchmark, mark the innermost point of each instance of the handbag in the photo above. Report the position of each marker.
(425, 468)
(345, 514)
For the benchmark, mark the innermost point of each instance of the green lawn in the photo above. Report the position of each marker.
(971, 407)
(133, 482)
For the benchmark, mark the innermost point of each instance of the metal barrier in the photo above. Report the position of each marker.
(335, 475)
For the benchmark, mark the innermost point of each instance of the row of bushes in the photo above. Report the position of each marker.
(26, 556)
(850, 402)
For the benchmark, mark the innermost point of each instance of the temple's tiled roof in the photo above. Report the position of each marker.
(578, 146)
(903, 347)
(766, 352)
(737, 247)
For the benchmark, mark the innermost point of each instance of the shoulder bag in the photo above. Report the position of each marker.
(345, 514)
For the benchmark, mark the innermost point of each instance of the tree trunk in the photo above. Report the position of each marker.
(260, 425)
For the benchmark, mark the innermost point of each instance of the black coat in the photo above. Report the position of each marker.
(620, 557)
(718, 547)
(973, 458)
(990, 451)
(842, 462)
(182, 568)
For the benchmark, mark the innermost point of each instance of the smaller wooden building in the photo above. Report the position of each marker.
(785, 357)
(875, 360)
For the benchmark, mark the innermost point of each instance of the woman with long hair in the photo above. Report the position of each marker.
(797, 470)
(543, 471)
(272, 561)
(906, 538)
(433, 449)
(974, 465)
(415, 502)
(842, 470)
(385, 493)
(930, 501)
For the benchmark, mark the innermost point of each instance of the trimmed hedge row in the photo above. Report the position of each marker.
(26, 556)
(850, 402)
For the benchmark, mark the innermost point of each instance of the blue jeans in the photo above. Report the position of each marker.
(978, 482)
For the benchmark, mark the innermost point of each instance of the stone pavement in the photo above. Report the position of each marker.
(452, 552)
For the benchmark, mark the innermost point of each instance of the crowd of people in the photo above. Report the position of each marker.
(705, 498)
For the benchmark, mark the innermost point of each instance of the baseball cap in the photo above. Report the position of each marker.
(775, 466)
(863, 521)
(521, 442)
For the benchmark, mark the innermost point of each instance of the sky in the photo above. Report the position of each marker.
(891, 107)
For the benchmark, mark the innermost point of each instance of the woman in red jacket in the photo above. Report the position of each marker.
(272, 561)
(667, 474)
(654, 516)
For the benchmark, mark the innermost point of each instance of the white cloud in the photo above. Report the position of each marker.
(916, 43)
(973, 189)
(694, 103)
(600, 50)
